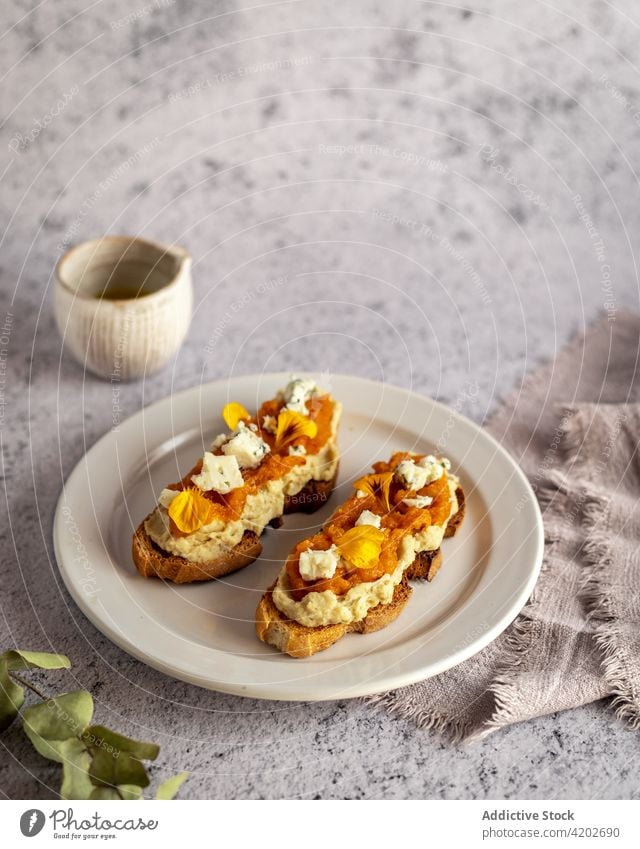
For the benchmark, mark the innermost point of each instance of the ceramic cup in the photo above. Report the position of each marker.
(123, 305)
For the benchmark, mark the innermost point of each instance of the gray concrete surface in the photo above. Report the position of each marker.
(409, 173)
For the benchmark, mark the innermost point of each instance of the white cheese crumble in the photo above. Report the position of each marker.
(360, 493)
(319, 564)
(427, 470)
(297, 450)
(434, 466)
(412, 475)
(269, 424)
(297, 393)
(247, 447)
(419, 501)
(368, 518)
(220, 440)
(166, 497)
(219, 473)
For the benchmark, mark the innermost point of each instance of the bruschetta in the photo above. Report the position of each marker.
(284, 459)
(353, 576)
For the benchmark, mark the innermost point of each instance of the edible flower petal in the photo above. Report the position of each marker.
(292, 426)
(377, 485)
(233, 413)
(190, 510)
(361, 546)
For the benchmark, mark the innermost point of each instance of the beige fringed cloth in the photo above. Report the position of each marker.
(574, 427)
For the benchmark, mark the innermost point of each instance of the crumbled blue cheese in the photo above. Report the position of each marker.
(220, 440)
(419, 501)
(434, 466)
(412, 475)
(297, 450)
(219, 473)
(246, 446)
(269, 424)
(297, 393)
(368, 518)
(167, 496)
(319, 564)
(360, 493)
(416, 475)
(253, 427)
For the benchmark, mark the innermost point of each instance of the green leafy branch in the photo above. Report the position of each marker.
(97, 763)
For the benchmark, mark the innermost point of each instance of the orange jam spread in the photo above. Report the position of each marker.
(400, 521)
(274, 466)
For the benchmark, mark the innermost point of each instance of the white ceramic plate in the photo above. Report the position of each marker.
(204, 633)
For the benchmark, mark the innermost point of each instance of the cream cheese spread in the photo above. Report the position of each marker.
(326, 608)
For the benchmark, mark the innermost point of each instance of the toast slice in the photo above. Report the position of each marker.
(298, 641)
(153, 561)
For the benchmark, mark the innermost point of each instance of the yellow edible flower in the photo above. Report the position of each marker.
(377, 485)
(361, 546)
(190, 510)
(233, 413)
(292, 426)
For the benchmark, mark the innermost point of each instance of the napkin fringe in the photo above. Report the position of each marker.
(505, 688)
(424, 717)
(600, 562)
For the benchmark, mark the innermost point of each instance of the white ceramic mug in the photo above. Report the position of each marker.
(123, 304)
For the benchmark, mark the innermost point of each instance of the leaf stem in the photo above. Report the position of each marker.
(29, 686)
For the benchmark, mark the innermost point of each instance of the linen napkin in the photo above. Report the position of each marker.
(574, 427)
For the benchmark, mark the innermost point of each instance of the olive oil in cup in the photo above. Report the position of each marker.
(123, 304)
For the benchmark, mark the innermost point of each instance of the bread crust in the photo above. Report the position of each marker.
(297, 640)
(456, 520)
(153, 562)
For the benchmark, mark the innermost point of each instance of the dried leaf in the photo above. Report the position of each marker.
(99, 736)
(11, 696)
(169, 788)
(18, 659)
(61, 718)
(113, 767)
(76, 783)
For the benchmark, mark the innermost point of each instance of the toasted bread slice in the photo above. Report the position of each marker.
(152, 561)
(298, 640)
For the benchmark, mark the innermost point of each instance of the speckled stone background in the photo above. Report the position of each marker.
(409, 173)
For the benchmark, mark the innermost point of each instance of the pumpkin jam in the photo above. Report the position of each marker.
(402, 520)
